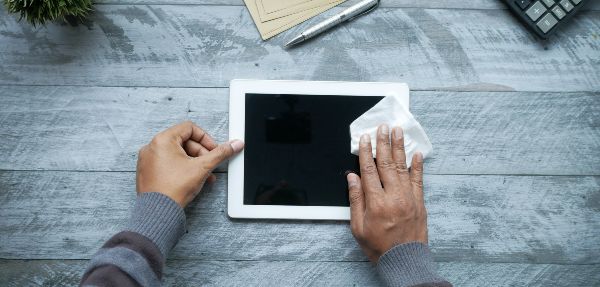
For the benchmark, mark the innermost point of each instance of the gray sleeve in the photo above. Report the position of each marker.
(159, 218)
(409, 264)
(136, 256)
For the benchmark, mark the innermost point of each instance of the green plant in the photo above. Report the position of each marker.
(40, 11)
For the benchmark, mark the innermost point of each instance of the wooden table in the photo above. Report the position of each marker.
(513, 189)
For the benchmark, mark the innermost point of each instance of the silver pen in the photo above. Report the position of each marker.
(354, 11)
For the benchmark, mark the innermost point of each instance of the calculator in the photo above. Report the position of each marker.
(544, 16)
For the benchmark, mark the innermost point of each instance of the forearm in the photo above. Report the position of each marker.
(409, 264)
(137, 255)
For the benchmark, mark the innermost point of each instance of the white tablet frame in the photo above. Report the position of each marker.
(237, 112)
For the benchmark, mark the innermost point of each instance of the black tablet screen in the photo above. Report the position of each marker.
(298, 148)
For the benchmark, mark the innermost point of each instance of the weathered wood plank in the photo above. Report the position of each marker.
(525, 219)
(206, 46)
(97, 128)
(92, 128)
(434, 4)
(261, 273)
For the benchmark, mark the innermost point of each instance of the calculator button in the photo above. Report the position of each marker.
(523, 3)
(536, 10)
(567, 5)
(548, 3)
(547, 23)
(576, 2)
(559, 13)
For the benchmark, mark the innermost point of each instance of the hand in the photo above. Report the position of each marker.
(386, 204)
(179, 160)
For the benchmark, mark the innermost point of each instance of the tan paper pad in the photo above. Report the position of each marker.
(294, 7)
(271, 28)
(271, 6)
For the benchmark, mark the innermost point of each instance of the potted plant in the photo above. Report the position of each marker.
(41, 11)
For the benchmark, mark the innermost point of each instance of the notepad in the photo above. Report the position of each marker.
(275, 16)
(273, 9)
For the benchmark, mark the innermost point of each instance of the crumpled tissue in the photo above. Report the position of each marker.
(392, 112)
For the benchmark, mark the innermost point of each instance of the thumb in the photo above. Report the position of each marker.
(357, 203)
(221, 153)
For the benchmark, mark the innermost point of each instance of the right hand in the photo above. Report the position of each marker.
(386, 204)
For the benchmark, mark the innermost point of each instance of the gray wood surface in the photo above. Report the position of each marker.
(206, 46)
(472, 133)
(525, 219)
(436, 4)
(513, 186)
(288, 273)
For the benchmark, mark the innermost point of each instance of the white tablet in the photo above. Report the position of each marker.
(297, 146)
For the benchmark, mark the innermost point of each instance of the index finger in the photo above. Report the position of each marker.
(189, 131)
(371, 184)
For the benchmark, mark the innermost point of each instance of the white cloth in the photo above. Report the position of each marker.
(392, 112)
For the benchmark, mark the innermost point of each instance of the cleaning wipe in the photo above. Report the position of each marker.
(392, 112)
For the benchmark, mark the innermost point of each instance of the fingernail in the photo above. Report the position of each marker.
(365, 139)
(419, 156)
(384, 129)
(237, 145)
(352, 179)
(398, 133)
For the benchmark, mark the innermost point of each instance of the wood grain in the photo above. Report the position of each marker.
(525, 219)
(206, 46)
(513, 188)
(267, 273)
(435, 4)
(101, 129)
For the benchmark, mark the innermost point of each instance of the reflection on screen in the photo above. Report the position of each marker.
(298, 148)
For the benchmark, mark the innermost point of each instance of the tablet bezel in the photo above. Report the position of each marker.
(237, 114)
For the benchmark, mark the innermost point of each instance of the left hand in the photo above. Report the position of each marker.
(178, 161)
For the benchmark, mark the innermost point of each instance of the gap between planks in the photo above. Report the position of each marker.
(450, 89)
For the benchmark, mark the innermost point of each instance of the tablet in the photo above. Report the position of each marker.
(297, 146)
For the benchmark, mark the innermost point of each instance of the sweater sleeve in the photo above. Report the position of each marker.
(409, 264)
(136, 256)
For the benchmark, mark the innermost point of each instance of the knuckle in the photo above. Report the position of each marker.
(418, 183)
(224, 152)
(355, 197)
(383, 140)
(387, 164)
(369, 169)
(401, 167)
(141, 151)
(399, 146)
(388, 223)
(188, 124)
(227, 150)
(158, 140)
(417, 167)
(155, 140)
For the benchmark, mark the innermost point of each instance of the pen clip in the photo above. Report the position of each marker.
(365, 12)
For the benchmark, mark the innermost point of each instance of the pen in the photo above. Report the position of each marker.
(354, 11)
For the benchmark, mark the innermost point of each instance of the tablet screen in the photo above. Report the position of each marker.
(298, 148)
